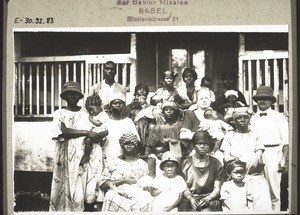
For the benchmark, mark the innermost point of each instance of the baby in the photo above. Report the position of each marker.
(168, 187)
(234, 193)
(231, 96)
(217, 128)
(97, 118)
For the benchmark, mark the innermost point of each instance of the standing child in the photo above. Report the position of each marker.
(234, 192)
(97, 118)
(168, 188)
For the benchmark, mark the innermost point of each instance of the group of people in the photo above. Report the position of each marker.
(188, 149)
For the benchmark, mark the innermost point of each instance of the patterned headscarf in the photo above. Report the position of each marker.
(241, 111)
(128, 137)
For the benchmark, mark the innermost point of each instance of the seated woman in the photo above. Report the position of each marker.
(124, 178)
(204, 175)
(168, 133)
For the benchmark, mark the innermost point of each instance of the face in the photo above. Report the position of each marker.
(142, 100)
(242, 121)
(72, 98)
(238, 174)
(93, 110)
(170, 169)
(142, 92)
(159, 151)
(109, 71)
(204, 100)
(168, 112)
(189, 79)
(264, 103)
(201, 148)
(129, 147)
(228, 83)
(117, 104)
(231, 98)
(169, 81)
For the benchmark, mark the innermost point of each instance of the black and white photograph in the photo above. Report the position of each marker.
(150, 119)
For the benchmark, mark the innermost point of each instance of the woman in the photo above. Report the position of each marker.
(117, 125)
(188, 92)
(74, 185)
(244, 145)
(123, 178)
(203, 175)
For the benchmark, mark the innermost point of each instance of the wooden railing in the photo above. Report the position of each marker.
(39, 80)
(268, 68)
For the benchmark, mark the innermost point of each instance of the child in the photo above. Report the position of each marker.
(232, 98)
(97, 118)
(234, 192)
(154, 158)
(216, 128)
(168, 188)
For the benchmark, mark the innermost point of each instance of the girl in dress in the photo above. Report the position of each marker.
(168, 187)
(234, 192)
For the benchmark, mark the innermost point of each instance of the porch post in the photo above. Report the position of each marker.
(133, 71)
(240, 72)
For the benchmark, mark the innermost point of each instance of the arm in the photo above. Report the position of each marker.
(189, 196)
(73, 133)
(109, 184)
(94, 121)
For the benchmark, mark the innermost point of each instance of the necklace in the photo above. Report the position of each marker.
(200, 167)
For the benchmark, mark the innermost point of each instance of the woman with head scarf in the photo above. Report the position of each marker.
(124, 178)
(244, 145)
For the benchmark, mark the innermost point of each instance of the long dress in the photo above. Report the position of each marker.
(72, 185)
(140, 200)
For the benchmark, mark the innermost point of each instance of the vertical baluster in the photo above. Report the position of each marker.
(124, 75)
(98, 73)
(37, 89)
(74, 72)
(45, 89)
(59, 86)
(30, 89)
(94, 73)
(19, 83)
(23, 90)
(90, 75)
(67, 72)
(87, 77)
(250, 84)
(241, 77)
(267, 73)
(276, 84)
(82, 78)
(117, 73)
(101, 72)
(258, 74)
(52, 88)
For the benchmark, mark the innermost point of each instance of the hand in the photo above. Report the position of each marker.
(93, 135)
(103, 134)
(168, 208)
(283, 165)
(203, 203)
(130, 181)
(194, 203)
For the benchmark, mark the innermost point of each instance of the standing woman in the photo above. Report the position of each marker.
(74, 185)
(244, 145)
(203, 175)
